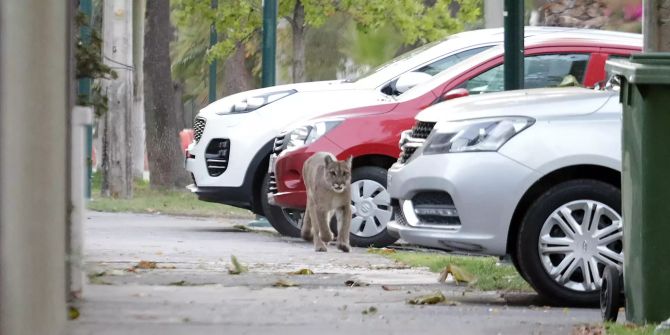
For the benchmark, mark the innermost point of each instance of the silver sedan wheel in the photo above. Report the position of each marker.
(578, 241)
(370, 208)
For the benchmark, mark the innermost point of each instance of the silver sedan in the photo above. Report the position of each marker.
(534, 174)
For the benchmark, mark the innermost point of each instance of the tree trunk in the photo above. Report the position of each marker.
(182, 122)
(236, 75)
(657, 26)
(165, 156)
(298, 27)
(117, 134)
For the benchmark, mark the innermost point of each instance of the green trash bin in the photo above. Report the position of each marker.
(645, 95)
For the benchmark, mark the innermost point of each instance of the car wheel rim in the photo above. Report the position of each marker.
(293, 216)
(370, 208)
(578, 241)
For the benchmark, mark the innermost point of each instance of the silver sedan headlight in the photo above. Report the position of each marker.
(474, 135)
(308, 134)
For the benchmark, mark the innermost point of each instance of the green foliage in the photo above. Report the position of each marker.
(490, 274)
(631, 329)
(238, 20)
(173, 202)
(90, 65)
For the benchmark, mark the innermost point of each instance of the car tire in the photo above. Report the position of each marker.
(543, 214)
(376, 175)
(277, 216)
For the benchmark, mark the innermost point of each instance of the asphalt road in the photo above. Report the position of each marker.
(191, 291)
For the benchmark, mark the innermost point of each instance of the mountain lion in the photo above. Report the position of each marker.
(328, 185)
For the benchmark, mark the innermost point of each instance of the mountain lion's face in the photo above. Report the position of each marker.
(338, 175)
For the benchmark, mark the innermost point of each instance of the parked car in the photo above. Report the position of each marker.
(371, 134)
(534, 174)
(234, 136)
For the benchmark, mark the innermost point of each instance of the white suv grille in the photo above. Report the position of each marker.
(198, 128)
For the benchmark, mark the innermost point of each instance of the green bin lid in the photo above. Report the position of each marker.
(645, 68)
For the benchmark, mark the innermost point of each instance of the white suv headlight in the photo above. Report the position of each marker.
(253, 103)
(474, 135)
(307, 134)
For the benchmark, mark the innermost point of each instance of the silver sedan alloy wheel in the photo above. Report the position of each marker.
(370, 208)
(578, 241)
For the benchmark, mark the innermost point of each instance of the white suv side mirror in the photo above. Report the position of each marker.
(410, 79)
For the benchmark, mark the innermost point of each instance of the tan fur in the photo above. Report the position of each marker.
(328, 184)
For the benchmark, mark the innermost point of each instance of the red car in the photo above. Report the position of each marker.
(371, 134)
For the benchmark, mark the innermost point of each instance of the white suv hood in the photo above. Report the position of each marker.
(224, 104)
(543, 103)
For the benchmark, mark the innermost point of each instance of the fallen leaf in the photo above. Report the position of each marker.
(284, 283)
(178, 283)
(242, 227)
(430, 299)
(236, 267)
(72, 313)
(97, 274)
(98, 281)
(355, 283)
(369, 310)
(389, 288)
(589, 330)
(381, 251)
(302, 272)
(459, 274)
(145, 265)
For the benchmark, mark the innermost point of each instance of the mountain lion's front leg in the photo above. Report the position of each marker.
(318, 217)
(344, 225)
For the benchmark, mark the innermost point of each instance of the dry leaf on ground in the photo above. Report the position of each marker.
(589, 330)
(382, 251)
(145, 265)
(236, 267)
(242, 227)
(284, 283)
(353, 283)
(178, 283)
(430, 299)
(369, 310)
(302, 272)
(72, 313)
(459, 274)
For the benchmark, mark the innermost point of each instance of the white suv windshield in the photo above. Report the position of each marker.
(396, 64)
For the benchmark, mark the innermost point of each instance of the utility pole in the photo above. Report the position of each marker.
(514, 71)
(269, 42)
(212, 66)
(117, 134)
(137, 118)
(84, 90)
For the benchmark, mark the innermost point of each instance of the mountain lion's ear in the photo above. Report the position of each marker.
(349, 161)
(328, 160)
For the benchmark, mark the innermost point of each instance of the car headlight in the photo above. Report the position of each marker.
(308, 134)
(474, 135)
(253, 103)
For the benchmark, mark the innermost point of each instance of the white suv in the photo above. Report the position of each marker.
(234, 136)
(534, 174)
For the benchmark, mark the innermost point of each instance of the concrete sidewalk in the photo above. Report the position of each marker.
(191, 292)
